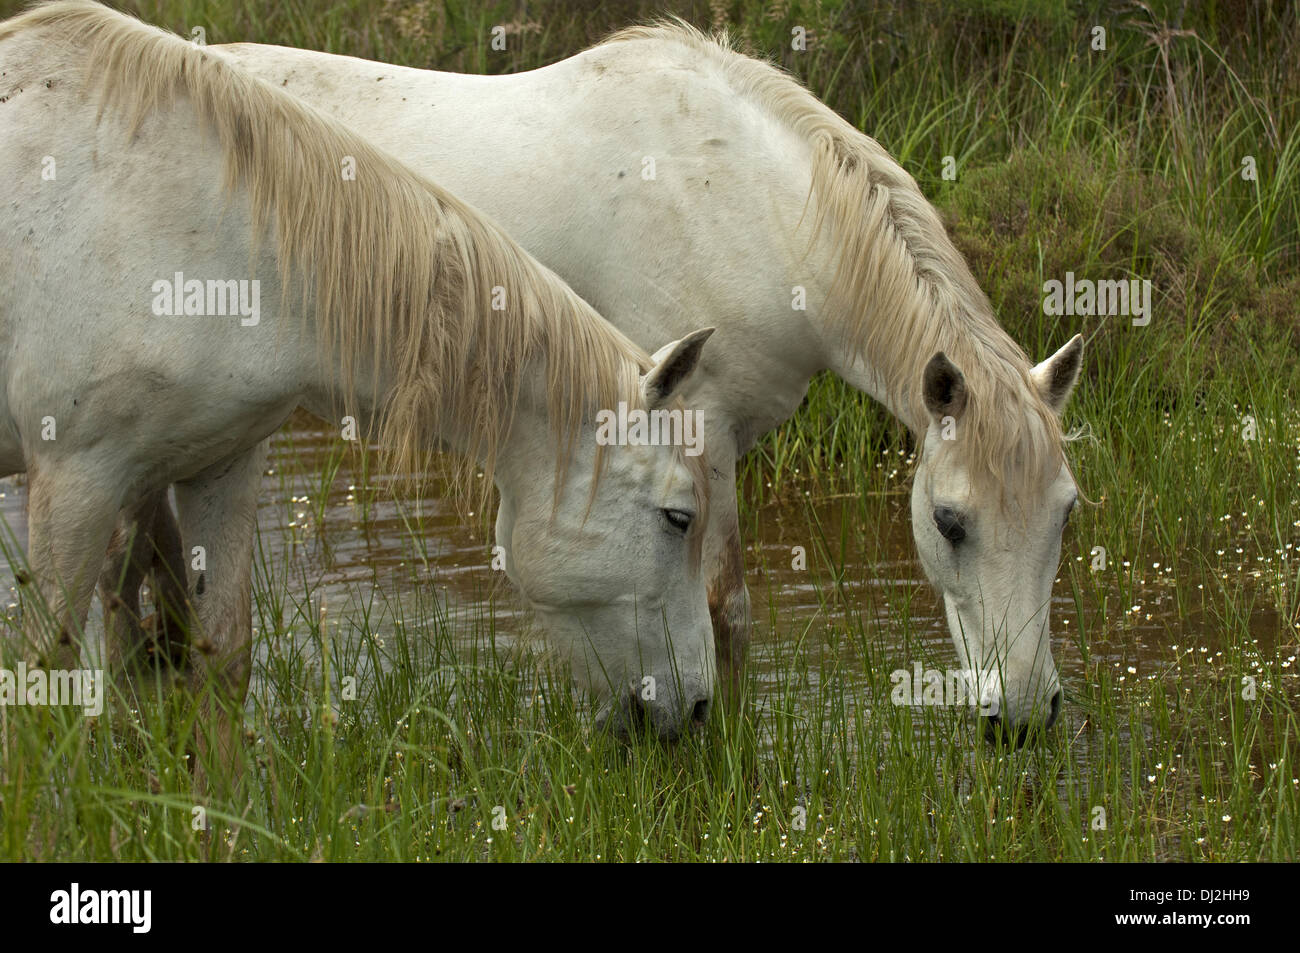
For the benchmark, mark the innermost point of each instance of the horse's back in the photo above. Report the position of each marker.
(632, 169)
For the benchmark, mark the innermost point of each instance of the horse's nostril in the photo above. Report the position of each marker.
(997, 731)
(700, 713)
(1055, 709)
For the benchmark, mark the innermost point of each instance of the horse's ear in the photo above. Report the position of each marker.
(1055, 377)
(673, 363)
(943, 388)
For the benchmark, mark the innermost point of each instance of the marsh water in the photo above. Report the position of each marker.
(856, 601)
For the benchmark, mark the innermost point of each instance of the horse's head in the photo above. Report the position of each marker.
(613, 572)
(993, 550)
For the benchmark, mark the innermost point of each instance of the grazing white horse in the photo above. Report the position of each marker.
(670, 179)
(183, 264)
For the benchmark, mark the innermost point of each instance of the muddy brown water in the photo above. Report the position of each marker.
(862, 575)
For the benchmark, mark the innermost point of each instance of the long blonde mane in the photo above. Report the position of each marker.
(901, 290)
(392, 266)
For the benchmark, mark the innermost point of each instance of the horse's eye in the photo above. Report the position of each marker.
(949, 522)
(679, 519)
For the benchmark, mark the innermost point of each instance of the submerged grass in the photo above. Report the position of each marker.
(398, 728)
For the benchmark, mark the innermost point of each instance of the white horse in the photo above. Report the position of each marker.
(669, 178)
(183, 264)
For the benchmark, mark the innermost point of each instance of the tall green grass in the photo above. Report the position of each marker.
(1112, 164)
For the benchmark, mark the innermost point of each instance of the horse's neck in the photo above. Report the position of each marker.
(528, 451)
(352, 404)
(862, 372)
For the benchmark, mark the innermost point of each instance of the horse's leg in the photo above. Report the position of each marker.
(218, 520)
(145, 544)
(70, 519)
(724, 567)
(119, 590)
(167, 581)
